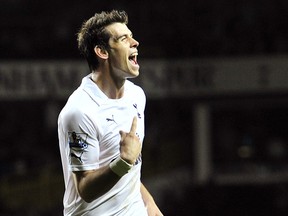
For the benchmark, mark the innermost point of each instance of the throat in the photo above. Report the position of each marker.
(113, 89)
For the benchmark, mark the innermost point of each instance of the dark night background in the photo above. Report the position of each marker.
(248, 131)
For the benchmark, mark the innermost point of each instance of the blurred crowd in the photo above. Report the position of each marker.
(47, 28)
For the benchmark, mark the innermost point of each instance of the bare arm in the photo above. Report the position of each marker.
(149, 202)
(94, 183)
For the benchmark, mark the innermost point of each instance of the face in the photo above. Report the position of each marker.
(122, 52)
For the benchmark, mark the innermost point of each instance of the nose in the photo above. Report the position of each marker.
(134, 43)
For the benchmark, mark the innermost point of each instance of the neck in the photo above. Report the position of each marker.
(111, 88)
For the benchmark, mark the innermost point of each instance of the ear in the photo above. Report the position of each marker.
(101, 52)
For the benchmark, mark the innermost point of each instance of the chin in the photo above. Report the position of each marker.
(133, 76)
(134, 73)
(137, 74)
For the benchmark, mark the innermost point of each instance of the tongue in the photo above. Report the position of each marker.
(133, 61)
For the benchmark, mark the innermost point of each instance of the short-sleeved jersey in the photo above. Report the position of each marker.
(88, 130)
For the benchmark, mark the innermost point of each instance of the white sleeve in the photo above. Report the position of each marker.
(82, 142)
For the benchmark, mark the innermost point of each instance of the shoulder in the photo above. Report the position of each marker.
(78, 108)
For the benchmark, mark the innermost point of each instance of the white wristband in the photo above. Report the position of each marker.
(120, 166)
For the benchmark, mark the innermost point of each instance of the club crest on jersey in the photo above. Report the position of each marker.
(77, 141)
(138, 114)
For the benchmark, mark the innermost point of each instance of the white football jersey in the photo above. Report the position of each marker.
(88, 130)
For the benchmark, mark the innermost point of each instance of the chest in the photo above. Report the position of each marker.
(112, 118)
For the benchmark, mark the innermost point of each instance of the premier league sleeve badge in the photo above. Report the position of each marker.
(77, 145)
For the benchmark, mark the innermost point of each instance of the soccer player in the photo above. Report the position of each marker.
(101, 127)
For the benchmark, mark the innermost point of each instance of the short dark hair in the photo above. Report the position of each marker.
(93, 33)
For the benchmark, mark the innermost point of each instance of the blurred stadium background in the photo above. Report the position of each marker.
(216, 78)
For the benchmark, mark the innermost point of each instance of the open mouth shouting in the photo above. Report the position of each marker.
(133, 59)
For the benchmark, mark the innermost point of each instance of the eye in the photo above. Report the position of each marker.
(124, 38)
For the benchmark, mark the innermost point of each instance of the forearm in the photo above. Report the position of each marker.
(92, 184)
(146, 196)
(152, 208)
